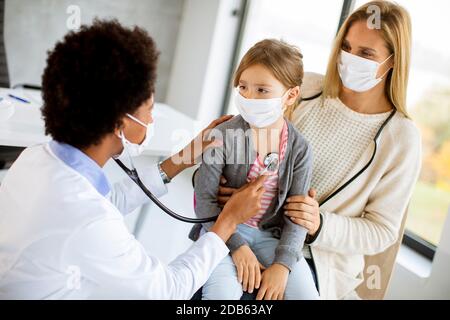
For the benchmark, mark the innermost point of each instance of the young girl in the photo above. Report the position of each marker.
(266, 250)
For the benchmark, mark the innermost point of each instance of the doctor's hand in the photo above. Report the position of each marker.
(192, 153)
(248, 268)
(224, 193)
(304, 211)
(243, 204)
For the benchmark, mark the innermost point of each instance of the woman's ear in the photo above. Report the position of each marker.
(293, 96)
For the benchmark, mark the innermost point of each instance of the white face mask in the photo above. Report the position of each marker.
(260, 113)
(359, 74)
(134, 149)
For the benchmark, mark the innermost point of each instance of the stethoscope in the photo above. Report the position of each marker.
(360, 172)
(271, 162)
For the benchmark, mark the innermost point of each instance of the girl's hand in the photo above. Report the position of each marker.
(224, 193)
(273, 283)
(304, 211)
(248, 268)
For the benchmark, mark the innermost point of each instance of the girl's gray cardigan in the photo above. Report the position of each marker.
(230, 161)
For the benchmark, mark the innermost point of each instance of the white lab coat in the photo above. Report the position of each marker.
(61, 239)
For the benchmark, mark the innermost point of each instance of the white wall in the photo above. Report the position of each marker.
(203, 56)
(409, 280)
(32, 27)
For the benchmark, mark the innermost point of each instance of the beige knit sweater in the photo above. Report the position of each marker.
(365, 218)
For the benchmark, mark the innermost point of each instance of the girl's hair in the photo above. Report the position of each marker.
(395, 28)
(285, 61)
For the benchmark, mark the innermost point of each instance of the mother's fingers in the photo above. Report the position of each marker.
(307, 224)
(299, 206)
(300, 215)
(302, 199)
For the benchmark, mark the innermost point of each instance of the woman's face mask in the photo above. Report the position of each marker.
(359, 74)
(134, 149)
(260, 113)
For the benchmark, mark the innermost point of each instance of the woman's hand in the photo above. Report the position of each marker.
(224, 193)
(248, 268)
(273, 283)
(304, 211)
(191, 154)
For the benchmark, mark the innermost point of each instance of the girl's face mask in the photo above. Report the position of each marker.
(260, 113)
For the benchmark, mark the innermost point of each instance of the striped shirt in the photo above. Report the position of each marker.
(271, 183)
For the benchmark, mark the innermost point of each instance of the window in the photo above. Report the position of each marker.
(429, 105)
(306, 24)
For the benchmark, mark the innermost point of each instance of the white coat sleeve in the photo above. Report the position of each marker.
(108, 256)
(126, 196)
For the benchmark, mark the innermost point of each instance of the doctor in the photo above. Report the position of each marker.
(62, 232)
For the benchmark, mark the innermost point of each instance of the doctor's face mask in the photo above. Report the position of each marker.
(134, 149)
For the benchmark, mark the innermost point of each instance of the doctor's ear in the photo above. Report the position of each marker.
(119, 128)
(292, 98)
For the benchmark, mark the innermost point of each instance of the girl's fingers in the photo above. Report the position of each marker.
(269, 295)
(257, 277)
(245, 279)
(251, 279)
(261, 292)
(239, 268)
(280, 296)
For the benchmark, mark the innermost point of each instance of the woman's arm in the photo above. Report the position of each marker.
(104, 250)
(377, 227)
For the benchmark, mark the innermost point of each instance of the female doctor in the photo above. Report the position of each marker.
(62, 233)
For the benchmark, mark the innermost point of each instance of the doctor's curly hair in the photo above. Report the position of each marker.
(93, 78)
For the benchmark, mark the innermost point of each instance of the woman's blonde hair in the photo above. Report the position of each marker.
(395, 28)
(285, 61)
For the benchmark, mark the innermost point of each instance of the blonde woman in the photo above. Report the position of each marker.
(365, 84)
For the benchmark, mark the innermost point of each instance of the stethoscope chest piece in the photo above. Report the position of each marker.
(271, 162)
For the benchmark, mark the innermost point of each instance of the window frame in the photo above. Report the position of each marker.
(419, 245)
